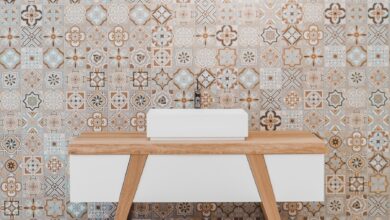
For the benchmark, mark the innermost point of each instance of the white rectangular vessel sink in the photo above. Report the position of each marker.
(206, 124)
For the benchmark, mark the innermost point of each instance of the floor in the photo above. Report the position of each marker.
(236, 211)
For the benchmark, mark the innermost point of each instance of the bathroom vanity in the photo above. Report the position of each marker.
(264, 166)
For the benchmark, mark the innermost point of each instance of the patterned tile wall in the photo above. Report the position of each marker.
(68, 66)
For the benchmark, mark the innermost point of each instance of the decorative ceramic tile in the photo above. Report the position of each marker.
(73, 66)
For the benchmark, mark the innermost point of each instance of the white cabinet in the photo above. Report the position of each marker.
(195, 178)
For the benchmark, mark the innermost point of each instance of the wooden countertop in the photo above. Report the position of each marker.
(258, 142)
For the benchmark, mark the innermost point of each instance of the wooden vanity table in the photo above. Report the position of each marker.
(254, 147)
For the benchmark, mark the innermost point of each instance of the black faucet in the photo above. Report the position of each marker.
(197, 96)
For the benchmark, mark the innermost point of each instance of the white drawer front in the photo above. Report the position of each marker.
(297, 177)
(96, 178)
(196, 178)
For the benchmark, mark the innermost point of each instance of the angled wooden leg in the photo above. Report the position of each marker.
(130, 184)
(263, 183)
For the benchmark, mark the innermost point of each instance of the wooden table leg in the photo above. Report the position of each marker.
(263, 183)
(130, 184)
